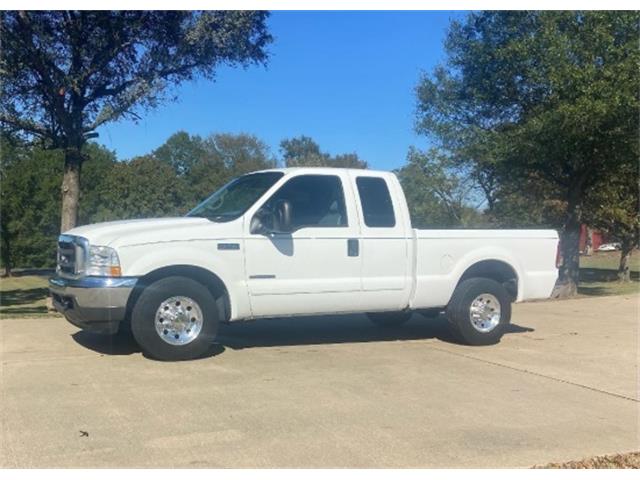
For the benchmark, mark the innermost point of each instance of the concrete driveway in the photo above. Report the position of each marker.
(327, 392)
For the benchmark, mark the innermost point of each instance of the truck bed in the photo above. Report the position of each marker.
(442, 256)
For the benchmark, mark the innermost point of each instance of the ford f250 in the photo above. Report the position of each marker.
(294, 242)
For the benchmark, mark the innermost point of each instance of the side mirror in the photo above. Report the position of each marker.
(282, 219)
(268, 221)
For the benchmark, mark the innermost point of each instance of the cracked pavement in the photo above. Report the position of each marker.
(327, 392)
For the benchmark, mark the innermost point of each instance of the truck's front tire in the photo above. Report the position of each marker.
(175, 318)
(478, 311)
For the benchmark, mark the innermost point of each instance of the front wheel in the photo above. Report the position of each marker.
(478, 311)
(175, 318)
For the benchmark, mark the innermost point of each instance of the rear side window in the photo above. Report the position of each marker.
(375, 199)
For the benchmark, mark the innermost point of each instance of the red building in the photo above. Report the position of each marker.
(597, 238)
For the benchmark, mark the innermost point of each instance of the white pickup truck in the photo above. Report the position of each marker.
(293, 242)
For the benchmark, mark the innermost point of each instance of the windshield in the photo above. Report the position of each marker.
(235, 197)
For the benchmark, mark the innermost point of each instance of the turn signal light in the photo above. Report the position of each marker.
(115, 271)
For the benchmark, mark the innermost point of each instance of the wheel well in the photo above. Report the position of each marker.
(201, 275)
(496, 270)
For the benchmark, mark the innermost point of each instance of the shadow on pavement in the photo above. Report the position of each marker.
(122, 344)
(295, 331)
(335, 329)
(107, 344)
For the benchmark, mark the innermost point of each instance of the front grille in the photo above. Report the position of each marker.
(71, 252)
(67, 257)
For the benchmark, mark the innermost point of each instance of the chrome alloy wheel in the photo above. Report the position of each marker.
(484, 313)
(178, 320)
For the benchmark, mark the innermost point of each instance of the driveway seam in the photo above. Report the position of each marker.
(587, 387)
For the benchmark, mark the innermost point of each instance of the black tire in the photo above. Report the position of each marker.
(459, 308)
(389, 319)
(143, 319)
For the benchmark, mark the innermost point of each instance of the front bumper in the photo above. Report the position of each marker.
(96, 304)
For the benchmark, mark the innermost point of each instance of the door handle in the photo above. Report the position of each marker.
(353, 247)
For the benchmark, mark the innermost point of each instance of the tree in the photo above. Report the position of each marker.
(140, 188)
(305, 152)
(549, 97)
(66, 73)
(241, 153)
(205, 164)
(613, 206)
(181, 151)
(30, 179)
(438, 194)
(302, 151)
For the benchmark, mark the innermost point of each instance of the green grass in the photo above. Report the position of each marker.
(23, 295)
(599, 274)
(609, 261)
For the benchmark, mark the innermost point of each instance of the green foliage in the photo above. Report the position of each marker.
(181, 151)
(438, 195)
(614, 206)
(543, 106)
(30, 207)
(305, 152)
(168, 182)
(204, 165)
(65, 73)
(142, 187)
(240, 153)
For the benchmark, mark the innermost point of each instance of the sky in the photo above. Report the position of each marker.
(346, 79)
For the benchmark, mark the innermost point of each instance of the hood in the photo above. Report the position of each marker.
(152, 230)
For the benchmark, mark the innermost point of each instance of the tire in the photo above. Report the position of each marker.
(473, 313)
(389, 319)
(187, 329)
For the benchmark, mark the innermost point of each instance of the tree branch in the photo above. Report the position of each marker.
(27, 125)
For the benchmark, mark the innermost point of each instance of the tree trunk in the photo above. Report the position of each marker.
(624, 272)
(6, 260)
(5, 246)
(588, 247)
(569, 274)
(70, 188)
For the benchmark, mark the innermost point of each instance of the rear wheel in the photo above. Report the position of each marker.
(175, 318)
(389, 319)
(478, 311)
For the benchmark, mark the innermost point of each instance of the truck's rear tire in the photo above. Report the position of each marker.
(175, 318)
(478, 311)
(389, 319)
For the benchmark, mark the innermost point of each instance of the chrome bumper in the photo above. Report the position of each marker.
(96, 304)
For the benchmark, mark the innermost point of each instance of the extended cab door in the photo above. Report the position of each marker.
(385, 243)
(316, 268)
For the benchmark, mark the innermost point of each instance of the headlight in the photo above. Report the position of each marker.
(103, 262)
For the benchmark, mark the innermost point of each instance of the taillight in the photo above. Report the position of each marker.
(558, 255)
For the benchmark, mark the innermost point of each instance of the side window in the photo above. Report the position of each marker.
(375, 199)
(316, 201)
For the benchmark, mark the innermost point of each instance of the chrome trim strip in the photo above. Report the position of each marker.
(94, 282)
